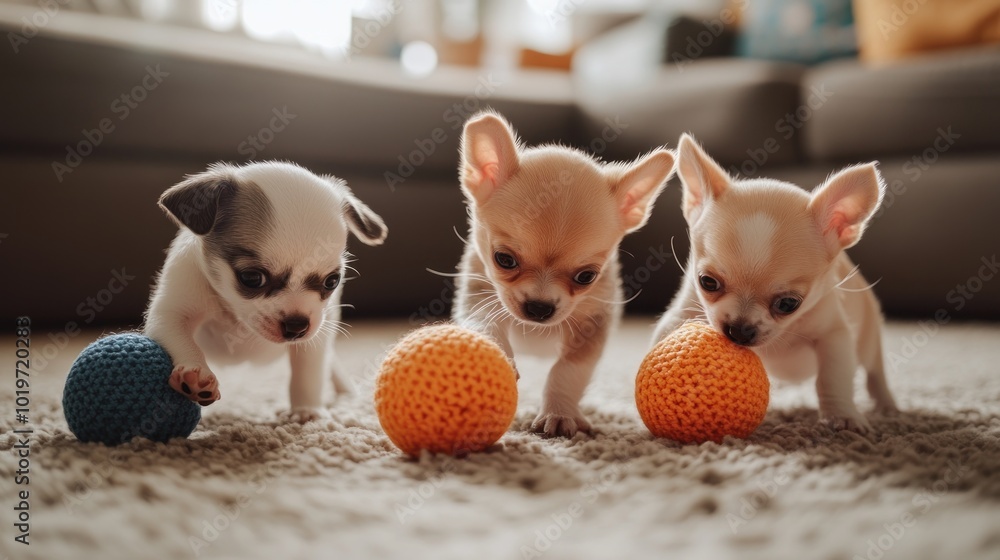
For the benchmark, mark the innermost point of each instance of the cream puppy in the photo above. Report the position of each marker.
(254, 273)
(542, 251)
(767, 268)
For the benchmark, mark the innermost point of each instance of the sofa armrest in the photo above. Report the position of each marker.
(688, 39)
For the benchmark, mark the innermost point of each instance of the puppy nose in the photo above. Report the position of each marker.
(294, 327)
(538, 310)
(741, 333)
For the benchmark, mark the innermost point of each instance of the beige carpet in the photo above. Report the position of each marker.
(246, 485)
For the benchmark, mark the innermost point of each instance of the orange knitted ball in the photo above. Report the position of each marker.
(445, 389)
(697, 386)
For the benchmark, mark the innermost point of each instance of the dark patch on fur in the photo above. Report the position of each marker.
(235, 253)
(243, 223)
(234, 217)
(363, 222)
(315, 282)
(194, 203)
(275, 283)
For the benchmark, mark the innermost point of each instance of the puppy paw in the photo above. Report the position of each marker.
(303, 414)
(553, 424)
(886, 409)
(851, 422)
(341, 386)
(197, 383)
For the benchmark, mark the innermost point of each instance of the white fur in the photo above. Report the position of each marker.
(558, 211)
(756, 233)
(837, 325)
(198, 315)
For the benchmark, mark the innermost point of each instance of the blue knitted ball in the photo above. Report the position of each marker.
(118, 389)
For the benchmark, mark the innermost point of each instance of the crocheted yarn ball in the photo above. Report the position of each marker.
(697, 386)
(445, 389)
(117, 389)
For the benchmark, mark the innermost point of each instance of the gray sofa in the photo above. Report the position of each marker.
(220, 97)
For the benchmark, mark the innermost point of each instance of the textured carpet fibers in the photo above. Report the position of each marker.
(247, 484)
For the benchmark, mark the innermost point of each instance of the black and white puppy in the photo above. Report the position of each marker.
(255, 271)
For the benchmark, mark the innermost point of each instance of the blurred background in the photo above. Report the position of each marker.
(106, 103)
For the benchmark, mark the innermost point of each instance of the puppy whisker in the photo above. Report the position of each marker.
(497, 314)
(673, 253)
(457, 274)
(489, 303)
(849, 276)
(615, 302)
(568, 324)
(855, 290)
(336, 327)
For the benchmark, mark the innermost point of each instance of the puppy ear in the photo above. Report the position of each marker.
(702, 178)
(843, 204)
(639, 186)
(194, 202)
(364, 223)
(489, 156)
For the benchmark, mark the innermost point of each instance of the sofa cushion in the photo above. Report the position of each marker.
(902, 109)
(743, 111)
(199, 95)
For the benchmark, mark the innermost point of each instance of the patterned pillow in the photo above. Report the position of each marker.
(806, 31)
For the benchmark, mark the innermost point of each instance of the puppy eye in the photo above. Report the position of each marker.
(252, 278)
(786, 305)
(709, 284)
(332, 281)
(585, 276)
(505, 261)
